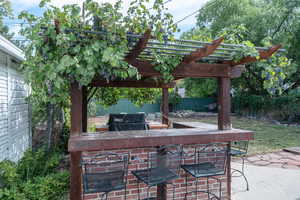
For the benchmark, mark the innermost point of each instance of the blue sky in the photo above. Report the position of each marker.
(179, 9)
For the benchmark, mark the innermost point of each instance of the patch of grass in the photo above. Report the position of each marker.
(268, 137)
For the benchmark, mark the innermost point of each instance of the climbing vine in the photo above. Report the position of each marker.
(63, 48)
(166, 65)
(270, 73)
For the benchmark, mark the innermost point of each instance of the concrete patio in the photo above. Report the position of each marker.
(274, 181)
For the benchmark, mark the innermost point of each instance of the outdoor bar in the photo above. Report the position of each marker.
(139, 144)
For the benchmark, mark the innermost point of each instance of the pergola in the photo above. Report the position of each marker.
(200, 60)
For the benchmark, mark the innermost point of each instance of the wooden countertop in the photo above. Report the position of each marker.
(185, 133)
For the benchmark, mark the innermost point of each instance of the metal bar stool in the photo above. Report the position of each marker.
(239, 149)
(163, 166)
(206, 161)
(104, 173)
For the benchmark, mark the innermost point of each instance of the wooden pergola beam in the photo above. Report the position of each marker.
(203, 52)
(262, 55)
(140, 46)
(193, 70)
(204, 70)
(132, 84)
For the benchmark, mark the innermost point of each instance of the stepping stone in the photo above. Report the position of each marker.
(295, 150)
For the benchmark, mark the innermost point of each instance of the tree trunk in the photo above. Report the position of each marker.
(50, 118)
(50, 122)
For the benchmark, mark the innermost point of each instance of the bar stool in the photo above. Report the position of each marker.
(206, 161)
(163, 166)
(239, 149)
(104, 173)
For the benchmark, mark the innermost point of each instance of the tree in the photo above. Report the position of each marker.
(196, 87)
(5, 11)
(259, 23)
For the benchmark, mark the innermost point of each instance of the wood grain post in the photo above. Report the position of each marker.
(162, 192)
(224, 122)
(161, 188)
(224, 104)
(228, 170)
(165, 105)
(76, 128)
(84, 109)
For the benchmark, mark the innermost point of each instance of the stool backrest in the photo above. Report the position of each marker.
(104, 167)
(169, 157)
(240, 146)
(212, 155)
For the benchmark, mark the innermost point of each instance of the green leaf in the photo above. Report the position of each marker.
(107, 54)
(67, 61)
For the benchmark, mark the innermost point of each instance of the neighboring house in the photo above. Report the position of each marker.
(15, 133)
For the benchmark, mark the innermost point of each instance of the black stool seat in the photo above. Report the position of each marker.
(155, 176)
(202, 170)
(150, 198)
(104, 182)
(235, 152)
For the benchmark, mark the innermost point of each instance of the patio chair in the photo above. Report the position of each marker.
(104, 173)
(205, 161)
(239, 149)
(163, 166)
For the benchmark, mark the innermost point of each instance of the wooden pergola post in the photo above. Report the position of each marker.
(76, 128)
(84, 108)
(224, 104)
(224, 122)
(162, 188)
(165, 106)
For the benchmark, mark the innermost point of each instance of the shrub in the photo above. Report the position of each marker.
(50, 187)
(11, 194)
(35, 177)
(8, 174)
(280, 108)
(38, 163)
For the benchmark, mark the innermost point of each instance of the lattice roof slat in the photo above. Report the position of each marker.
(172, 47)
(200, 59)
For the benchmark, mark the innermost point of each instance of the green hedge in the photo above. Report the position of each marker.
(280, 108)
(37, 176)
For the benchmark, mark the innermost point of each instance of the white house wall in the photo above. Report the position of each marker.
(15, 134)
(4, 137)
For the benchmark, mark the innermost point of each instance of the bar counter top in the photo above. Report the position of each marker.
(182, 133)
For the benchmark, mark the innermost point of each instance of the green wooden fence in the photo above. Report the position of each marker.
(124, 105)
(194, 104)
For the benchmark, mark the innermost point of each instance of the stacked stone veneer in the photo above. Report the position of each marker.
(180, 183)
